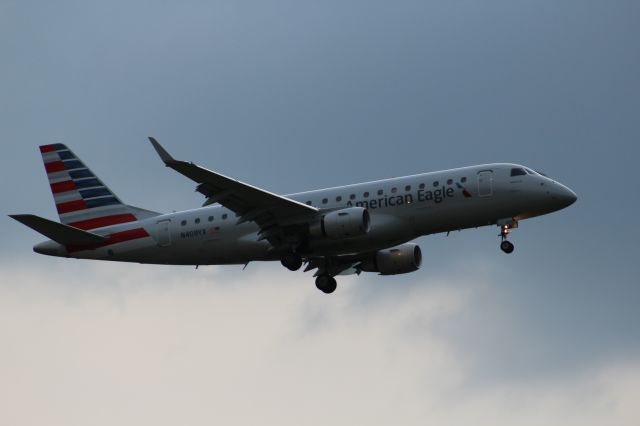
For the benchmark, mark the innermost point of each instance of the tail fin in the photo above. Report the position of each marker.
(82, 200)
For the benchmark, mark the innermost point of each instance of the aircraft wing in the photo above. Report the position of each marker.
(270, 211)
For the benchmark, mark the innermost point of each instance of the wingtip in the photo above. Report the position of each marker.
(164, 155)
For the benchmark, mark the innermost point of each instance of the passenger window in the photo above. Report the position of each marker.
(380, 192)
(436, 183)
(324, 201)
(352, 196)
(338, 198)
(224, 216)
(366, 195)
(463, 180)
(422, 185)
(197, 220)
(449, 181)
(210, 218)
(394, 190)
(308, 203)
(517, 172)
(407, 188)
(183, 223)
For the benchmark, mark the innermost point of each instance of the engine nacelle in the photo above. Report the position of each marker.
(344, 223)
(400, 259)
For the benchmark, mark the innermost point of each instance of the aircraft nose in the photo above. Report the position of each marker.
(565, 196)
(571, 196)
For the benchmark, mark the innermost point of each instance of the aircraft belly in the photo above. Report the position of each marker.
(238, 250)
(478, 212)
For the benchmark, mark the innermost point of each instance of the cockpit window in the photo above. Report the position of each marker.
(517, 171)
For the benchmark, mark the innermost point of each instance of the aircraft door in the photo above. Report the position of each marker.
(163, 232)
(485, 183)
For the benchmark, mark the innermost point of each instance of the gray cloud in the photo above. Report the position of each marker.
(146, 344)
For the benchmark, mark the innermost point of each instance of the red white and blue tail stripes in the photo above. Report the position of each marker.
(82, 200)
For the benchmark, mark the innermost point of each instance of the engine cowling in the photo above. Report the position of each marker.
(344, 223)
(400, 259)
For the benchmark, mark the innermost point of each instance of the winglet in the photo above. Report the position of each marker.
(164, 155)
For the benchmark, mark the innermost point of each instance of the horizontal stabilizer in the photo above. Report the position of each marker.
(58, 232)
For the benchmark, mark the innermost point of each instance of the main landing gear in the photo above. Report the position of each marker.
(326, 283)
(505, 228)
(291, 261)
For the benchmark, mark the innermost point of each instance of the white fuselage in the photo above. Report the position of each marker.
(401, 209)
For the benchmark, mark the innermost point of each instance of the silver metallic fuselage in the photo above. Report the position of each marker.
(401, 209)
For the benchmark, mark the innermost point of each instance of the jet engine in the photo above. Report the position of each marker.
(344, 223)
(395, 260)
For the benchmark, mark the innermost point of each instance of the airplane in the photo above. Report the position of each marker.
(364, 227)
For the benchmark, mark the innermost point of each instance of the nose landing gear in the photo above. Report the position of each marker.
(505, 228)
(507, 246)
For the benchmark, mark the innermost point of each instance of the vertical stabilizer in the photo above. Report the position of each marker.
(82, 200)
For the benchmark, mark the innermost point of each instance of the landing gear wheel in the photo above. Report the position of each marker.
(291, 261)
(326, 284)
(506, 247)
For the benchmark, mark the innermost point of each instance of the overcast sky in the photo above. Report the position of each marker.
(298, 95)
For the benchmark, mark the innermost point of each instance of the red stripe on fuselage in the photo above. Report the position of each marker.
(71, 206)
(63, 186)
(115, 238)
(54, 166)
(47, 148)
(122, 236)
(99, 222)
